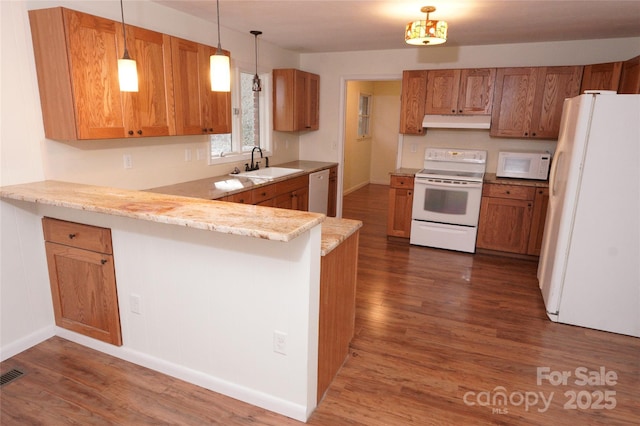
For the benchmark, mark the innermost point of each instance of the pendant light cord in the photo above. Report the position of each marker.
(124, 34)
(219, 51)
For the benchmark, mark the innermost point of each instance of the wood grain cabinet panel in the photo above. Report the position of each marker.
(630, 77)
(198, 110)
(76, 62)
(296, 100)
(332, 204)
(82, 278)
(601, 76)
(400, 205)
(528, 101)
(540, 206)
(338, 276)
(461, 91)
(412, 101)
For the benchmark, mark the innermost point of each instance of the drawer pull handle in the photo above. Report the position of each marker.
(72, 236)
(103, 261)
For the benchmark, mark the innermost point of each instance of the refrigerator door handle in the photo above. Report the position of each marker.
(554, 170)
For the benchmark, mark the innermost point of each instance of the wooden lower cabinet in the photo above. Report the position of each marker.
(332, 204)
(540, 205)
(400, 205)
(82, 278)
(338, 273)
(512, 218)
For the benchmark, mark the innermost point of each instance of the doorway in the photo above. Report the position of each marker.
(370, 156)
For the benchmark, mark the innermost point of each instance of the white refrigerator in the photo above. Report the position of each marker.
(589, 270)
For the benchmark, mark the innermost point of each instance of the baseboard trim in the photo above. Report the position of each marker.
(20, 345)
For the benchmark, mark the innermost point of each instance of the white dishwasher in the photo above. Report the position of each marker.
(319, 191)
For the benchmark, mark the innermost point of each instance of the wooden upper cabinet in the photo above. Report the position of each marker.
(601, 76)
(198, 109)
(412, 102)
(528, 101)
(296, 100)
(630, 76)
(465, 91)
(76, 58)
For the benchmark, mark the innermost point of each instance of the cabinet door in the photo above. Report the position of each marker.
(554, 85)
(400, 205)
(149, 112)
(333, 192)
(476, 91)
(216, 106)
(601, 76)
(442, 92)
(540, 206)
(93, 56)
(186, 58)
(312, 103)
(504, 224)
(513, 102)
(630, 77)
(412, 102)
(84, 292)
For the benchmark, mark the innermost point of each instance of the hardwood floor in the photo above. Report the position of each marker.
(440, 337)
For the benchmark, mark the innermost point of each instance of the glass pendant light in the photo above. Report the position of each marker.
(257, 84)
(127, 69)
(426, 32)
(219, 67)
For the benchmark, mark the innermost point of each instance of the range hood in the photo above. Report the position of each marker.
(457, 121)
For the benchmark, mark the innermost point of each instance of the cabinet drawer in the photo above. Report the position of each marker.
(263, 193)
(401, 182)
(77, 235)
(292, 184)
(244, 197)
(515, 192)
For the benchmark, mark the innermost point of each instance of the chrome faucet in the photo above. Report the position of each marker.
(255, 166)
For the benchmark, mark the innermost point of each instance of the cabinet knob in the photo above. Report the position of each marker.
(460, 111)
(72, 236)
(526, 133)
(103, 261)
(204, 130)
(508, 192)
(453, 111)
(130, 132)
(139, 132)
(211, 129)
(533, 134)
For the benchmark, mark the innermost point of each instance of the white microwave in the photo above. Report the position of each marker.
(524, 165)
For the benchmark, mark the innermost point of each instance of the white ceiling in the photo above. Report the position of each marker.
(313, 26)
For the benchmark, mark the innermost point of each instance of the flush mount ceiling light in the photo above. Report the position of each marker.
(219, 69)
(257, 85)
(127, 69)
(427, 32)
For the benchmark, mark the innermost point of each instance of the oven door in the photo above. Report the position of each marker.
(446, 201)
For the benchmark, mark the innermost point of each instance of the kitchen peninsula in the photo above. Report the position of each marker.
(223, 295)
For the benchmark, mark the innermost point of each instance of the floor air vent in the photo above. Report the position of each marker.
(10, 376)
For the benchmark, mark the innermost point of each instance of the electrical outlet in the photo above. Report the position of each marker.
(414, 148)
(187, 155)
(280, 342)
(135, 303)
(128, 162)
(200, 154)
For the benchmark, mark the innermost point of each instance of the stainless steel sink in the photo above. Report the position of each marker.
(268, 173)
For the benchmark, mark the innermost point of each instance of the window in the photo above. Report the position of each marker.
(364, 116)
(249, 121)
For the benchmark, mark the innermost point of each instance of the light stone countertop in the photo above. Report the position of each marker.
(229, 218)
(216, 187)
(335, 231)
